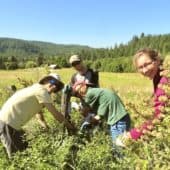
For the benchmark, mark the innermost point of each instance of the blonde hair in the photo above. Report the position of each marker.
(152, 54)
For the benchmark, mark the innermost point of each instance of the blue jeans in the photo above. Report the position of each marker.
(119, 127)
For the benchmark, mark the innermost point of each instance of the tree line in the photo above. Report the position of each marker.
(16, 54)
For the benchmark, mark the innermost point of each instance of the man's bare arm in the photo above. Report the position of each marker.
(58, 116)
(41, 120)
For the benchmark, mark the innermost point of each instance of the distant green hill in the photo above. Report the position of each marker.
(24, 48)
(16, 53)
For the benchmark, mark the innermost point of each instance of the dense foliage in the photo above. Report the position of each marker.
(16, 53)
(55, 149)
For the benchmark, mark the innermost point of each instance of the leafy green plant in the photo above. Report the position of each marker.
(55, 149)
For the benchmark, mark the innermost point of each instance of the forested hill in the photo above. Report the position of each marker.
(158, 42)
(24, 48)
(15, 53)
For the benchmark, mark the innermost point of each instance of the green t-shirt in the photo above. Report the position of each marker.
(106, 104)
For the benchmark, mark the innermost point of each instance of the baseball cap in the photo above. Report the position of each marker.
(74, 58)
(54, 79)
(80, 84)
(55, 76)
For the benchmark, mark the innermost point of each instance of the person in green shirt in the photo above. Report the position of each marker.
(106, 104)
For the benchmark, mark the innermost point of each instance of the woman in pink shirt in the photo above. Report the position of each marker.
(148, 61)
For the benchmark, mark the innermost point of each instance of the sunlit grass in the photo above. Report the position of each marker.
(128, 85)
(51, 150)
(122, 82)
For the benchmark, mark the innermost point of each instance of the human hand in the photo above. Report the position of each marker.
(84, 126)
(45, 129)
(123, 140)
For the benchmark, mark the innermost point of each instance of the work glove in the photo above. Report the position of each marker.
(123, 140)
(89, 117)
(85, 126)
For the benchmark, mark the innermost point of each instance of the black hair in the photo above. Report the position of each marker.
(49, 79)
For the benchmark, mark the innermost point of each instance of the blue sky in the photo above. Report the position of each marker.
(96, 23)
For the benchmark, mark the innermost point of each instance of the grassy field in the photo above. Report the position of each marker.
(122, 82)
(54, 150)
(127, 85)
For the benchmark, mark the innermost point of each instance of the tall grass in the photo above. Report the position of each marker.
(54, 150)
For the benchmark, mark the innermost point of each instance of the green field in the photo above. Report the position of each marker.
(56, 150)
(122, 82)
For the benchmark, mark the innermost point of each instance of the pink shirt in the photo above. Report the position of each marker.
(138, 132)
